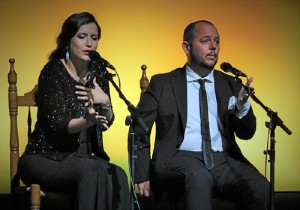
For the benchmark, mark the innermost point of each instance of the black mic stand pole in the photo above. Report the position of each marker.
(274, 121)
(132, 147)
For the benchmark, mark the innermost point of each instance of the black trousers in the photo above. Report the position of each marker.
(236, 181)
(98, 184)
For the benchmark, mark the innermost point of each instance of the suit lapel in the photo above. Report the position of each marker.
(179, 85)
(223, 92)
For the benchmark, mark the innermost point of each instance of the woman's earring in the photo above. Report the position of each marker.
(67, 55)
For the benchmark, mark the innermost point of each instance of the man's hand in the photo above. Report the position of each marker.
(243, 94)
(144, 188)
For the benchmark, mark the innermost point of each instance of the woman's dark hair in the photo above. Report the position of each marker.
(68, 30)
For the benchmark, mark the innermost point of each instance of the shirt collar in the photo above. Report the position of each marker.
(191, 76)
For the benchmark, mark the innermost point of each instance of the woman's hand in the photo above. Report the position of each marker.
(92, 116)
(96, 94)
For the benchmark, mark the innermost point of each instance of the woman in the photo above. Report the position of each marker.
(65, 151)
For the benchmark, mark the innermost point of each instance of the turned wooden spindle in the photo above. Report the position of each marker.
(144, 82)
(35, 197)
(13, 112)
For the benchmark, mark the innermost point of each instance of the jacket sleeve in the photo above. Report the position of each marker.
(246, 126)
(52, 100)
(147, 109)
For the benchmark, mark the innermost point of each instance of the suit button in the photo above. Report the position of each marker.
(166, 163)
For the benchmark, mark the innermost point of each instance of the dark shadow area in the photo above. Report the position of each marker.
(283, 201)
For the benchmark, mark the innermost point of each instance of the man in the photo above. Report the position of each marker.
(181, 162)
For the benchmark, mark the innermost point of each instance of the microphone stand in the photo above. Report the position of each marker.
(132, 147)
(274, 121)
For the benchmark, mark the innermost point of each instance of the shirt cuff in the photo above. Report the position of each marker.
(242, 110)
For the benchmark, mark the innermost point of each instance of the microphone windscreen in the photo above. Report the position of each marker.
(225, 66)
(94, 55)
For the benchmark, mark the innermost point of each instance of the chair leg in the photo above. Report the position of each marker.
(35, 197)
(15, 201)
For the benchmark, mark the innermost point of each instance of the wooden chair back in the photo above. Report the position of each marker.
(31, 196)
(14, 101)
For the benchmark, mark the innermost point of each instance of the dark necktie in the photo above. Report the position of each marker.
(206, 141)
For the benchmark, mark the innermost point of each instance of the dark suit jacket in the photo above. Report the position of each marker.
(165, 103)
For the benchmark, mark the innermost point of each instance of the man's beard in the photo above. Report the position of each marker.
(201, 62)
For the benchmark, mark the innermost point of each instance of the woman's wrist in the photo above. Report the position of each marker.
(106, 107)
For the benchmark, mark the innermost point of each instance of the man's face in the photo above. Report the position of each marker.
(205, 47)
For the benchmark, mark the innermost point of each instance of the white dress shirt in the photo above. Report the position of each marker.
(192, 136)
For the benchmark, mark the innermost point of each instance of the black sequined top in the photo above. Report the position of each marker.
(57, 105)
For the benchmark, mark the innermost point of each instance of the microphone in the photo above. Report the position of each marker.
(94, 55)
(228, 68)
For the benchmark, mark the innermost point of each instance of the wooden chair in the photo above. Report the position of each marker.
(25, 197)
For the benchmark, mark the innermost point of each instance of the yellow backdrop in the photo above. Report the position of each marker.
(259, 37)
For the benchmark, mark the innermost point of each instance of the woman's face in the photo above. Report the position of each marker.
(84, 41)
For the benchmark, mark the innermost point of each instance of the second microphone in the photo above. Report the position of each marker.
(94, 55)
